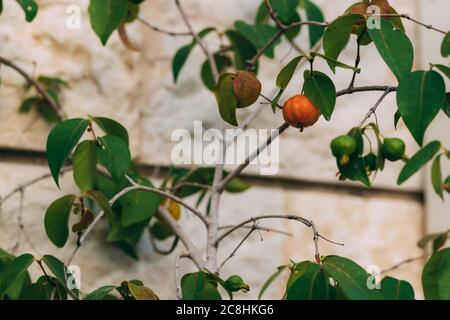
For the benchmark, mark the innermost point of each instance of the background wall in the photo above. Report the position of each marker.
(378, 226)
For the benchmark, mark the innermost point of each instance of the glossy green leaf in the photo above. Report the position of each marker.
(337, 36)
(313, 13)
(286, 74)
(394, 289)
(57, 219)
(115, 155)
(183, 53)
(112, 127)
(29, 103)
(139, 205)
(351, 278)
(436, 177)
(312, 284)
(206, 75)
(320, 89)
(199, 286)
(84, 162)
(270, 280)
(37, 291)
(103, 202)
(100, 293)
(420, 96)
(436, 276)
(418, 161)
(394, 47)
(445, 47)
(243, 49)
(106, 16)
(444, 69)
(258, 35)
(29, 7)
(446, 105)
(61, 273)
(61, 141)
(226, 99)
(14, 270)
(284, 9)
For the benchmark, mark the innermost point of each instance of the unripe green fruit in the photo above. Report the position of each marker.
(393, 149)
(343, 146)
(234, 283)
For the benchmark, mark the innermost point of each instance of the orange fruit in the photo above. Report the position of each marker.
(299, 112)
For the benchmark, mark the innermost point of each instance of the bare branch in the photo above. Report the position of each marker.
(364, 89)
(403, 262)
(260, 228)
(176, 273)
(249, 159)
(52, 102)
(408, 17)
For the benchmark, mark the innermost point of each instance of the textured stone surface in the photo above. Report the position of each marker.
(375, 231)
(137, 88)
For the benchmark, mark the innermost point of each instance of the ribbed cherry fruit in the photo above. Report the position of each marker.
(299, 112)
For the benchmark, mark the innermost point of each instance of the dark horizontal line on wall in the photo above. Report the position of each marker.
(15, 156)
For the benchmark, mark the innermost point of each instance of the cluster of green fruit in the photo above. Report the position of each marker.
(342, 147)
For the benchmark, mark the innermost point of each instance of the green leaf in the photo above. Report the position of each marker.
(237, 185)
(199, 286)
(286, 74)
(226, 99)
(350, 277)
(320, 89)
(183, 53)
(310, 285)
(112, 127)
(61, 141)
(100, 293)
(57, 219)
(258, 35)
(37, 291)
(270, 280)
(313, 13)
(436, 177)
(139, 205)
(337, 36)
(436, 276)
(1, 6)
(438, 240)
(394, 47)
(28, 104)
(14, 270)
(103, 202)
(30, 8)
(446, 105)
(334, 63)
(206, 74)
(84, 162)
(284, 9)
(61, 273)
(141, 292)
(106, 16)
(115, 155)
(420, 96)
(243, 49)
(445, 47)
(394, 289)
(444, 69)
(418, 161)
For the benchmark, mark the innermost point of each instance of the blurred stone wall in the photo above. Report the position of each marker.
(379, 226)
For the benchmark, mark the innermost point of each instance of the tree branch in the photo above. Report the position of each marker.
(374, 108)
(160, 30)
(53, 103)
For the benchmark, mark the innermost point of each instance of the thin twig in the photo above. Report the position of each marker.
(52, 102)
(199, 41)
(260, 228)
(161, 251)
(408, 17)
(403, 262)
(231, 255)
(374, 108)
(160, 30)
